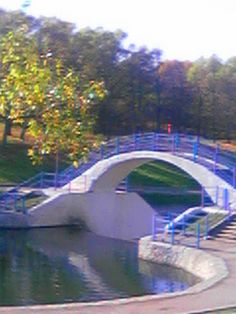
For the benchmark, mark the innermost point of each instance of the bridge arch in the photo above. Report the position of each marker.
(118, 215)
(108, 173)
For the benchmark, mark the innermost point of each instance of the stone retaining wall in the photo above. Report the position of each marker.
(209, 268)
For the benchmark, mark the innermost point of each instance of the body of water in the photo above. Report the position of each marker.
(57, 265)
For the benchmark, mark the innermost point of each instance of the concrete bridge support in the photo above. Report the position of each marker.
(107, 213)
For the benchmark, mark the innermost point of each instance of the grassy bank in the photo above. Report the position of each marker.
(15, 165)
(167, 176)
(161, 174)
(189, 199)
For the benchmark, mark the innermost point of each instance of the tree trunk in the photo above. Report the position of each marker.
(23, 131)
(133, 113)
(199, 116)
(6, 131)
(158, 105)
(56, 168)
(9, 126)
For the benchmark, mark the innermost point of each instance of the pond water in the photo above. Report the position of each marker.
(57, 265)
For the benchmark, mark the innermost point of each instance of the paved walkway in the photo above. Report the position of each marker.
(221, 295)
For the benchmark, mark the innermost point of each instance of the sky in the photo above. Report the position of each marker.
(182, 29)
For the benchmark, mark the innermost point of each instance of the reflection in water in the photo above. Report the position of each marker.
(57, 265)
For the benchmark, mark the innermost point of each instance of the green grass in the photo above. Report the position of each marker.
(34, 200)
(165, 175)
(213, 220)
(161, 174)
(31, 200)
(168, 199)
(16, 166)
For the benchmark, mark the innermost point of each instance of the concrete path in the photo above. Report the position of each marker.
(221, 295)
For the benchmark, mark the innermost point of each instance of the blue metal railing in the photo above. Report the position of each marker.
(184, 232)
(212, 157)
(190, 227)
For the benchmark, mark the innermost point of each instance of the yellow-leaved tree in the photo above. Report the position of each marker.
(37, 90)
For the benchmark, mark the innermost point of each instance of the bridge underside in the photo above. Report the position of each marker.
(108, 173)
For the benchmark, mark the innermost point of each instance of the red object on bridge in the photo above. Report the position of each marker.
(169, 127)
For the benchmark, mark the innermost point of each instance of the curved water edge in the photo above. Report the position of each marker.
(214, 271)
(211, 269)
(64, 265)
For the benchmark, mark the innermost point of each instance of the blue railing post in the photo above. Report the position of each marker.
(195, 151)
(177, 140)
(229, 210)
(117, 145)
(15, 201)
(102, 151)
(23, 205)
(172, 233)
(154, 235)
(73, 173)
(154, 141)
(183, 225)
(206, 227)
(216, 157)
(173, 144)
(226, 199)
(135, 141)
(234, 177)
(198, 233)
(41, 180)
(55, 180)
(5, 202)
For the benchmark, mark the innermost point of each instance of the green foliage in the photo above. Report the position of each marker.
(39, 89)
(63, 122)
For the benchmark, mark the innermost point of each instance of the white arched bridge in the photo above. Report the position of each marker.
(88, 193)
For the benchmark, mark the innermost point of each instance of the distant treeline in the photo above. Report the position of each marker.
(144, 93)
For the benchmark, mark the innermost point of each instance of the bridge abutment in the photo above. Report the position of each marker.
(118, 215)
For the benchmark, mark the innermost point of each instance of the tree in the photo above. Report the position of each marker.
(133, 92)
(55, 36)
(226, 87)
(204, 76)
(40, 90)
(175, 93)
(18, 59)
(64, 121)
(13, 20)
(96, 54)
